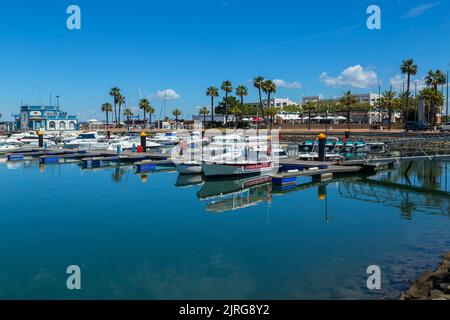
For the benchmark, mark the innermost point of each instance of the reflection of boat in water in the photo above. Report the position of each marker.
(228, 194)
(186, 181)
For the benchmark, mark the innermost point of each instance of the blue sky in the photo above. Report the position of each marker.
(311, 47)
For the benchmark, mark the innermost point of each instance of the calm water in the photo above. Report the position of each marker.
(164, 237)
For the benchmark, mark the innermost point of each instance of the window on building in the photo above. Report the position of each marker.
(62, 126)
(52, 125)
(72, 125)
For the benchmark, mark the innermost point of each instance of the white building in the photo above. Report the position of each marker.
(370, 98)
(279, 102)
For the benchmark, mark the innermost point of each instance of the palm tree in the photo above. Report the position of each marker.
(115, 92)
(144, 105)
(242, 91)
(271, 113)
(310, 106)
(128, 113)
(269, 87)
(258, 84)
(204, 112)
(212, 92)
(410, 69)
(432, 98)
(434, 80)
(151, 111)
(348, 100)
(235, 111)
(177, 112)
(226, 87)
(388, 101)
(107, 108)
(120, 102)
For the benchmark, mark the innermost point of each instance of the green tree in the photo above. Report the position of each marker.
(177, 113)
(434, 80)
(241, 92)
(128, 113)
(409, 68)
(309, 107)
(204, 112)
(236, 112)
(115, 93)
(212, 92)
(120, 102)
(388, 103)
(227, 88)
(348, 100)
(269, 87)
(258, 83)
(144, 105)
(432, 98)
(107, 108)
(271, 113)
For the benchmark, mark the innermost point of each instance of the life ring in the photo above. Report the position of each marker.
(140, 149)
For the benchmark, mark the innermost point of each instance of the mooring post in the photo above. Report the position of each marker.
(322, 145)
(41, 139)
(347, 134)
(144, 141)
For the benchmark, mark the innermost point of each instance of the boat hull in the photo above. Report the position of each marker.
(224, 169)
(189, 168)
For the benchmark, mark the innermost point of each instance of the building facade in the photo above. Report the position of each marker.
(370, 98)
(278, 102)
(48, 118)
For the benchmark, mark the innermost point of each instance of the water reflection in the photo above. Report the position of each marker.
(234, 194)
(420, 186)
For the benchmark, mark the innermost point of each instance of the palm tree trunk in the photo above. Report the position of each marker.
(118, 116)
(150, 120)
(212, 111)
(390, 118)
(408, 88)
(348, 117)
(226, 108)
(107, 124)
(260, 103)
(145, 117)
(115, 112)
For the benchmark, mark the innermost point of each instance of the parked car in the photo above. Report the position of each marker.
(446, 127)
(415, 126)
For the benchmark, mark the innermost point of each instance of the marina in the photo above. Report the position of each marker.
(183, 159)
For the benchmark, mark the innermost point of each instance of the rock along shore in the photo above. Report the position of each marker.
(431, 285)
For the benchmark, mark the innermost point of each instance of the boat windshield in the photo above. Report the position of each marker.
(86, 136)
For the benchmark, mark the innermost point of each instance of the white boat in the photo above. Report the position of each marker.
(87, 141)
(166, 139)
(187, 168)
(30, 138)
(130, 143)
(215, 169)
(10, 146)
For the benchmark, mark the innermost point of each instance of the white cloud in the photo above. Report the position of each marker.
(169, 94)
(288, 85)
(355, 77)
(399, 81)
(420, 10)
